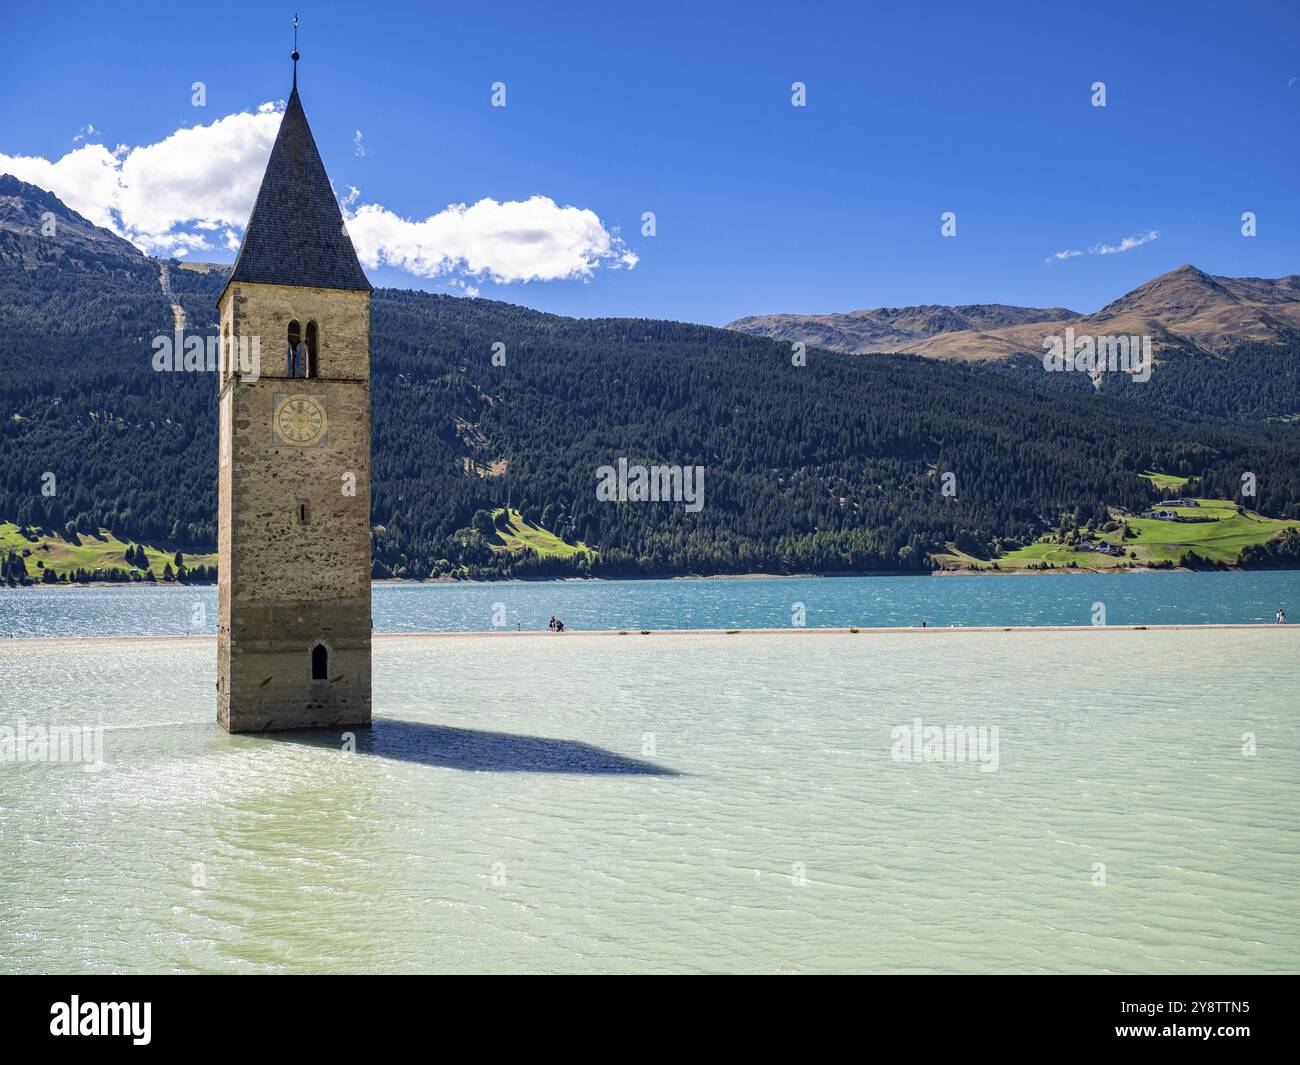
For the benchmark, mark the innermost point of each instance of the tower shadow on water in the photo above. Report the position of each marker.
(478, 750)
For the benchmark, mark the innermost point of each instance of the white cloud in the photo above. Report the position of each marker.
(85, 131)
(86, 179)
(191, 241)
(1105, 249)
(203, 176)
(358, 148)
(165, 197)
(1069, 253)
(520, 240)
(1126, 244)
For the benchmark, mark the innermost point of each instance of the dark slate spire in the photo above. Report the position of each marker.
(295, 233)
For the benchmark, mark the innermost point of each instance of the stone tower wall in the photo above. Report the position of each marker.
(286, 584)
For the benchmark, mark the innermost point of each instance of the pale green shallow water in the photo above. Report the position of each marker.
(1115, 747)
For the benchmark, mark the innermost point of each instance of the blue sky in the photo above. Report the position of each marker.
(685, 110)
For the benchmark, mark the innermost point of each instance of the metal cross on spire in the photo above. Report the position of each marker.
(294, 56)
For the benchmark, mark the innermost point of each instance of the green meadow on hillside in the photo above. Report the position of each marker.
(1165, 481)
(515, 533)
(1153, 542)
(102, 551)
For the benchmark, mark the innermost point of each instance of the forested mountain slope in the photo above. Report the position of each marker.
(834, 465)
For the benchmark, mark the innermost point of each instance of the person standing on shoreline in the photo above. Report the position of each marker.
(1281, 616)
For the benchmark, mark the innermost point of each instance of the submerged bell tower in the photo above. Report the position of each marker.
(293, 630)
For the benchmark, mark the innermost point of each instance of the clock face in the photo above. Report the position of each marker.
(300, 420)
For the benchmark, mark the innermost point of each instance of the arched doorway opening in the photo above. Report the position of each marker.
(320, 662)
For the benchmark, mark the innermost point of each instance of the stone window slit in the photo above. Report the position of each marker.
(296, 350)
(311, 368)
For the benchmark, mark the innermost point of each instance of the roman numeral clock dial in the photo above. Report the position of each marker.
(300, 420)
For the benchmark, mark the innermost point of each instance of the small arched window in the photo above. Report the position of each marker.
(320, 662)
(295, 344)
(311, 368)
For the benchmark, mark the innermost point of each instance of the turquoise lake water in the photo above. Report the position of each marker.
(687, 803)
(827, 602)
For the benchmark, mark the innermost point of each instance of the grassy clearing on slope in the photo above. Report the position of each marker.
(1165, 481)
(1220, 541)
(519, 534)
(103, 551)
(1156, 542)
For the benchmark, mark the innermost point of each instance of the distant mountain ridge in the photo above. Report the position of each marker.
(892, 328)
(36, 227)
(1186, 307)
